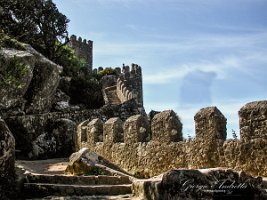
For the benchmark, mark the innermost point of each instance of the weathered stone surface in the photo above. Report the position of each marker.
(166, 127)
(7, 161)
(61, 101)
(27, 128)
(248, 156)
(44, 146)
(136, 129)
(204, 150)
(208, 149)
(31, 86)
(41, 93)
(203, 184)
(253, 120)
(113, 132)
(64, 132)
(84, 162)
(77, 165)
(58, 142)
(15, 82)
(95, 131)
(210, 123)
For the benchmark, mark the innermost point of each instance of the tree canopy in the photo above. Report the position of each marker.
(36, 22)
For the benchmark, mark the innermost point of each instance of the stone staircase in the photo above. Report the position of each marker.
(44, 185)
(112, 96)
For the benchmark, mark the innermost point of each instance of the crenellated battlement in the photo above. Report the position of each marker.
(151, 148)
(127, 84)
(83, 49)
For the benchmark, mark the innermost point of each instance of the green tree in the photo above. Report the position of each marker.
(36, 22)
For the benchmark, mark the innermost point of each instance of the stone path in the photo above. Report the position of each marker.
(45, 179)
(112, 96)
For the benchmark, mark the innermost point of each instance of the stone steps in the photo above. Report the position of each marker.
(92, 197)
(112, 96)
(47, 189)
(43, 185)
(78, 180)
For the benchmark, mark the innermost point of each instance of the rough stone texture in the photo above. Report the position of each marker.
(31, 91)
(253, 120)
(249, 156)
(130, 84)
(64, 132)
(58, 142)
(207, 150)
(112, 131)
(42, 89)
(27, 128)
(81, 162)
(7, 161)
(83, 49)
(210, 126)
(12, 94)
(210, 123)
(200, 184)
(166, 127)
(86, 162)
(136, 129)
(95, 131)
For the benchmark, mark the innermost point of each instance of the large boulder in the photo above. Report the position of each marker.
(211, 183)
(15, 76)
(46, 76)
(84, 162)
(28, 80)
(7, 160)
(57, 141)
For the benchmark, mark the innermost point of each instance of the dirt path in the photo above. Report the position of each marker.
(50, 166)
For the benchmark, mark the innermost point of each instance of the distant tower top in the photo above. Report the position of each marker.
(83, 49)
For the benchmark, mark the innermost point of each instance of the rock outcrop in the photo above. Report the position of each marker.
(28, 81)
(7, 161)
(208, 184)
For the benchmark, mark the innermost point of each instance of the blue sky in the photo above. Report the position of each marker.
(194, 53)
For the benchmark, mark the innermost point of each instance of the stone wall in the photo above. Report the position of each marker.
(130, 84)
(148, 149)
(83, 49)
(33, 131)
(7, 161)
(127, 84)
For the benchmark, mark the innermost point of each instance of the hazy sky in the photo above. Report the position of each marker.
(194, 53)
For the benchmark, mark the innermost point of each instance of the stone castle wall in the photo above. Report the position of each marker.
(130, 84)
(148, 149)
(127, 83)
(83, 49)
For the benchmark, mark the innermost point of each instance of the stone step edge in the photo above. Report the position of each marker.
(34, 190)
(78, 186)
(78, 180)
(91, 197)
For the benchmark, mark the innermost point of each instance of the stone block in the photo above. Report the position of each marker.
(166, 127)
(253, 120)
(7, 160)
(95, 131)
(136, 129)
(210, 123)
(113, 132)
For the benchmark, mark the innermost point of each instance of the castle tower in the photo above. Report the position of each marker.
(83, 49)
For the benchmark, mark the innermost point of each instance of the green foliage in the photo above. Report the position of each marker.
(67, 58)
(88, 89)
(106, 71)
(8, 42)
(36, 22)
(12, 72)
